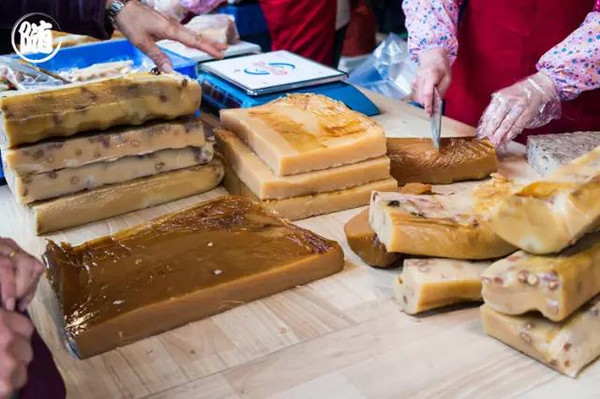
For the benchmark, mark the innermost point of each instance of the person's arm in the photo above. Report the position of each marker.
(564, 72)
(574, 64)
(432, 42)
(431, 24)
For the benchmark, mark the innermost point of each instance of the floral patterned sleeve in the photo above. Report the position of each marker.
(432, 24)
(574, 64)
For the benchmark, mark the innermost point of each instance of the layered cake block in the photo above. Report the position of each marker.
(42, 186)
(179, 268)
(306, 206)
(458, 159)
(266, 185)
(567, 346)
(303, 155)
(32, 116)
(305, 132)
(117, 199)
(427, 284)
(445, 226)
(549, 215)
(84, 149)
(555, 285)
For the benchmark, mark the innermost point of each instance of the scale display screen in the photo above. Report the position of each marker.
(272, 72)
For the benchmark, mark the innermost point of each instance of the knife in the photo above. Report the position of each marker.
(436, 119)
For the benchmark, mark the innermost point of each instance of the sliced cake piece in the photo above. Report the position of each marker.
(445, 226)
(182, 267)
(296, 208)
(36, 187)
(304, 132)
(364, 242)
(31, 116)
(266, 185)
(105, 146)
(415, 160)
(427, 284)
(548, 152)
(567, 346)
(554, 285)
(549, 215)
(117, 199)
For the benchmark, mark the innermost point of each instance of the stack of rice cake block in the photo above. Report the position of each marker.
(545, 299)
(61, 162)
(303, 155)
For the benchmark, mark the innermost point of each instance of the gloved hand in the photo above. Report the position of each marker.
(434, 71)
(530, 103)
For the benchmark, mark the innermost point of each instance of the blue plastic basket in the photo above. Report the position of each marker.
(110, 51)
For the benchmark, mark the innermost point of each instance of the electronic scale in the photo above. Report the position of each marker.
(252, 80)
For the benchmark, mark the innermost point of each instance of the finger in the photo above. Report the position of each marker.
(507, 124)
(25, 301)
(18, 323)
(426, 95)
(444, 84)
(492, 117)
(160, 59)
(8, 289)
(28, 271)
(21, 350)
(188, 37)
(19, 377)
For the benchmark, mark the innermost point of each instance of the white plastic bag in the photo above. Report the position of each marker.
(219, 28)
(388, 71)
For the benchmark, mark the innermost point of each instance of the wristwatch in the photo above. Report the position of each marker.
(113, 9)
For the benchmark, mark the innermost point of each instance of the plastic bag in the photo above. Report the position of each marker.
(219, 28)
(15, 75)
(171, 8)
(201, 6)
(388, 71)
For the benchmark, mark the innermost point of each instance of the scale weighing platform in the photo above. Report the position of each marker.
(253, 80)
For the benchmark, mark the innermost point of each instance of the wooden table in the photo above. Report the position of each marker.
(340, 337)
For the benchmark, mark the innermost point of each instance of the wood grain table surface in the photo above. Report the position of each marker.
(339, 337)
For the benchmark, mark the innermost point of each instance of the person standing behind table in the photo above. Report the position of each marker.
(304, 27)
(142, 25)
(538, 59)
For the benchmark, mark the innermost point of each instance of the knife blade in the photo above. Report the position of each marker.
(436, 119)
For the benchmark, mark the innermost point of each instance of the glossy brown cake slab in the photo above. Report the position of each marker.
(179, 268)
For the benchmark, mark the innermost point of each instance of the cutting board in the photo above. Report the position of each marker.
(401, 119)
(545, 153)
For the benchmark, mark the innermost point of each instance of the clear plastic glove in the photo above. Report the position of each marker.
(528, 104)
(170, 8)
(434, 71)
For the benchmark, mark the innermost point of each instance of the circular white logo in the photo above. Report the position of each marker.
(32, 38)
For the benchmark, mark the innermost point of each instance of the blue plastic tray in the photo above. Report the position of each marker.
(109, 51)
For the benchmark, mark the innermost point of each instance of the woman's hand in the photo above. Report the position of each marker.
(19, 276)
(530, 103)
(15, 351)
(143, 26)
(434, 71)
